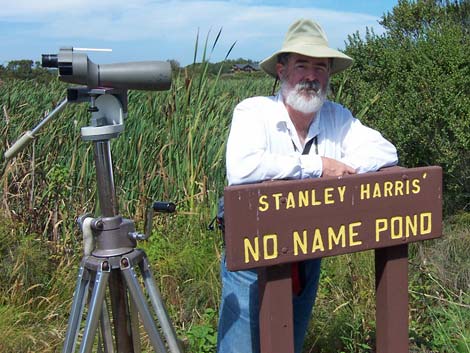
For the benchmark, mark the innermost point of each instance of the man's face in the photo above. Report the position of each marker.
(304, 82)
(300, 68)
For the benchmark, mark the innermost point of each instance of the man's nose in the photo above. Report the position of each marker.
(311, 84)
(311, 75)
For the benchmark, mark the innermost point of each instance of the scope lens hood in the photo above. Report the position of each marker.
(50, 60)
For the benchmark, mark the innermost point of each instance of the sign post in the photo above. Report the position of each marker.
(391, 277)
(272, 224)
(276, 313)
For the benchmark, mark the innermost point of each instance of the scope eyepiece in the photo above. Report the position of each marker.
(50, 60)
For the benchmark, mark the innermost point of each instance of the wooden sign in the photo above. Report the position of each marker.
(279, 222)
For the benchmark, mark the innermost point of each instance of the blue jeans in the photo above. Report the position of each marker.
(239, 309)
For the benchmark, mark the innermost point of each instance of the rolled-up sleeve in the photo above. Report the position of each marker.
(363, 148)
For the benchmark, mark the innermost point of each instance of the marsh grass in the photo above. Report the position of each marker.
(441, 289)
(35, 292)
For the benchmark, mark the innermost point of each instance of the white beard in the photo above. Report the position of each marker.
(304, 102)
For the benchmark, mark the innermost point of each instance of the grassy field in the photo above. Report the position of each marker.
(173, 149)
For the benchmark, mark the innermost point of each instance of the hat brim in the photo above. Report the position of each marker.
(340, 61)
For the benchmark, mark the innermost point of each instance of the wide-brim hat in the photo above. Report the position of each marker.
(307, 38)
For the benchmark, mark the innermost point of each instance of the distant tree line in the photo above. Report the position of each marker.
(26, 70)
(222, 67)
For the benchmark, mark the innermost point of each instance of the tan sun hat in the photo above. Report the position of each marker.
(306, 37)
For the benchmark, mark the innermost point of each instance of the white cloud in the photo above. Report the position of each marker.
(258, 29)
(32, 10)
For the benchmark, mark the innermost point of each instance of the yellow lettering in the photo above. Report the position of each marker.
(381, 225)
(263, 205)
(298, 242)
(277, 197)
(329, 196)
(272, 239)
(404, 226)
(250, 250)
(336, 238)
(303, 198)
(388, 189)
(365, 191)
(411, 225)
(353, 233)
(398, 188)
(314, 199)
(317, 241)
(290, 200)
(377, 192)
(341, 191)
(425, 221)
(416, 186)
(396, 223)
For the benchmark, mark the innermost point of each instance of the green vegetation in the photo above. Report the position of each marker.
(415, 82)
(26, 69)
(411, 83)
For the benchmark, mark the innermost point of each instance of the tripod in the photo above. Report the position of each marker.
(108, 272)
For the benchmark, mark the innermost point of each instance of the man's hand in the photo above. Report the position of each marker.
(332, 167)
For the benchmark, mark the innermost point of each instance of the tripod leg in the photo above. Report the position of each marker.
(78, 304)
(120, 311)
(159, 307)
(134, 318)
(106, 332)
(140, 302)
(94, 310)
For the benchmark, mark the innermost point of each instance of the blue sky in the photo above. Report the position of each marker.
(160, 30)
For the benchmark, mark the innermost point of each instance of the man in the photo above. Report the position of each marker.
(296, 134)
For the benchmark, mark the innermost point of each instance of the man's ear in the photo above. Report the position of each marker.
(280, 70)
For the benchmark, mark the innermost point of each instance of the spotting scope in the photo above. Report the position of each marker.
(76, 67)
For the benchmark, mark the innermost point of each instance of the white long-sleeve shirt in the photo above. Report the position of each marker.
(263, 143)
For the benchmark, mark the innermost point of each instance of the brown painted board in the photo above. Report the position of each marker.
(279, 222)
(391, 274)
